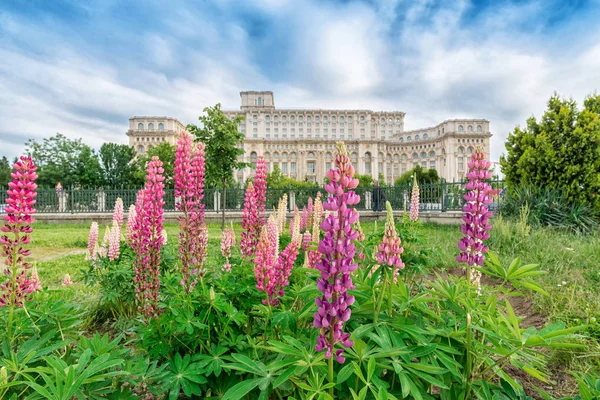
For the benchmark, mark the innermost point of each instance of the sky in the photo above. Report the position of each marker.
(83, 67)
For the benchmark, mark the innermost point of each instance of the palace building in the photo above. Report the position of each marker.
(301, 142)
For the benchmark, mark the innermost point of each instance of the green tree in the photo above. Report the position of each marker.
(64, 160)
(165, 153)
(5, 170)
(561, 151)
(276, 180)
(223, 142)
(120, 166)
(365, 181)
(424, 176)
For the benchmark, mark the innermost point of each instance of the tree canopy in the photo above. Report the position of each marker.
(424, 176)
(166, 153)
(120, 167)
(561, 151)
(5, 170)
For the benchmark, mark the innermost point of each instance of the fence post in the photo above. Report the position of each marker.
(217, 200)
(444, 192)
(292, 200)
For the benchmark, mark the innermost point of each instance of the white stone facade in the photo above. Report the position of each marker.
(146, 132)
(302, 141)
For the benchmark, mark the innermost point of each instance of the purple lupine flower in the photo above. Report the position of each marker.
(476, 219)
(18, 218)
(147, 240)
(336, 264)
(390, 248)
(414, 201)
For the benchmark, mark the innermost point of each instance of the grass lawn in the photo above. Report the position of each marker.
(572, 262)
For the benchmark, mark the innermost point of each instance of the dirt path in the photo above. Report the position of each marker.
(42, 254)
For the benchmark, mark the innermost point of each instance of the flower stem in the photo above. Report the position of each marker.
(378, 307)
(331, 374)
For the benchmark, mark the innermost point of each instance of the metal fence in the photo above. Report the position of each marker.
(433, 197)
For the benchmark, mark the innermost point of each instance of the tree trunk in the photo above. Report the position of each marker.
(223, 206)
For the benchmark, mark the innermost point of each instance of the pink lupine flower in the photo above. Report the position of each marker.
(67, 281)
(251, 220)
(189, 190)
(147, 239)
(118, 213)
(304, 219)
(92, 249)
(227, 242)
(414, 201)
(361, 239)
(273, 234)
(294, 218)
(282, 272)
(130, 222)
(106, 237)
(35, 280)
(260, 183)
(306, 238)
(264, 262)
(390, 248)
(282, 212)
(17, 230)
(336, 264)
(313, 256)
(476, 219)
(114, 242)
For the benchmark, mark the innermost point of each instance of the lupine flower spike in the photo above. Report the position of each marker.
(250, 218)
(67, 281)
(227, 242)
(282, 212)
(35, 279)
(118, 213)
(92, 249)
(336, 264)
(414, 201)
(130, 222)
(390, 248)
(114, 242)
(310, 261)
(147, 239)
(17, 229)
(476, 219)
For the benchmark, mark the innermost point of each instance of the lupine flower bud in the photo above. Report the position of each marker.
(17, 229)
(260, 184)
(227, 242)
(114, 242)
(414, 201)
(336, 264)
(67, 281)
(35, 280)
(92, 249)
(130, 222)
(476, 219)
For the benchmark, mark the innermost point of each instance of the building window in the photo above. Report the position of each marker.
(161, 126)
(470, 128)
(460, 163)
(380, 170)
(140, 149)
(479, 128)
(461, 150)
(260, 102)
(415, 156)
(423, 155)
(327, 166)
(425, 136)
(140, 126)
(431, 164)
(408, 139)
(267, 117)
(150, 126)
(310, 167)
(367, 163)
(461, 129)
(293, 167)
(310, 155)
(424, 164)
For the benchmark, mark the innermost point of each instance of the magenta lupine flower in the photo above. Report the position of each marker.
(227, 242)
(306, 237)
(476, 219)
(147, 240)
(390, 248)
(260, 183)
(304, 219)
(35, 280)
(282, 271)
(309, 211)
(114, 242)
(17, 230)
(67, 281)
(92, 249)
(264, 262)
(414, 202)
(250, 221)
(130, 222)
(189, 190)
(118, 212)
(336, 264)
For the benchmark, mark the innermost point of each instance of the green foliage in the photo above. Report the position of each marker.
(166, 153)
(64, 160)
(423, 176)
(5, 170)
(119, 166)
(365, 181)
(276, 180)
(561, 151)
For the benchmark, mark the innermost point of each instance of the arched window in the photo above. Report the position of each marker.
(408, 139)
(275, 156)
(402, 139)
(150, 126)
(310, 155)
(284, 156)
(161, 126)
(328, 156)
(461, 150)
(431, 154)
(253, 155)
(470, 150)
(479, 128)
(267, 156)
(461, 128)
(423, 155)
(415, 156)
(380, 156)
(470, 128)
(388, 158)
(140, 149)
(367, 163)
(354, 158)
(140, 126)
(404, 157)
(425, 136)
(293, 156)
(417, 137)
(396, 157)
(260, 101)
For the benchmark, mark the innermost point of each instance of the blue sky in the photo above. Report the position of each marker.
(83, 67)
